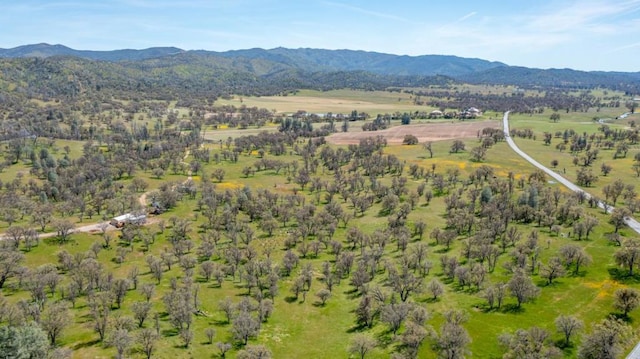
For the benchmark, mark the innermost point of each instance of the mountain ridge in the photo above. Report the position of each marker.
(47, 50)
(292, 68)
(306, 59)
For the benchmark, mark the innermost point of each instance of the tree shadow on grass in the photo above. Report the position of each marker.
(621, 316)
(85, 318)
(169, 332)
(430, 300)
(357, 328)
(353, 293)
(485, 308)
(243, 293)
(86, 344)
(574, 274)
(544, 283)
(568, 349)
(511, 308)
(384, 338)
(623, 276)
(238, 345)
(52, 241)
(290, 299)
(446, 280)
(219, 322)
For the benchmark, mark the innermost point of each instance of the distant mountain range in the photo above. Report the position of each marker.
(46, 50)
(301, 59)
(295, 64)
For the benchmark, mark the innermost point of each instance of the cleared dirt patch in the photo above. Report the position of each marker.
(424, 132)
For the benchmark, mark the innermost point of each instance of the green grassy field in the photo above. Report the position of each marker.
(297, 324)
(581, 123)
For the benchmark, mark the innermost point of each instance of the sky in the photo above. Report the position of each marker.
(590, 35)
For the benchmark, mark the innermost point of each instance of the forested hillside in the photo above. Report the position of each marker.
(284, 68)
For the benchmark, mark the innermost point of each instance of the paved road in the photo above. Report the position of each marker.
(635, 353)
(632, 223)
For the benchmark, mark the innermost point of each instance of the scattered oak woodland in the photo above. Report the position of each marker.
(264, 242)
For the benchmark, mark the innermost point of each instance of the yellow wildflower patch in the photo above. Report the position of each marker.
(229, 185)
(446, 163)
(605, 288)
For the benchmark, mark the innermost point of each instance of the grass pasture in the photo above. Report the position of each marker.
(295, 324)
(581, 123)
(336, 101)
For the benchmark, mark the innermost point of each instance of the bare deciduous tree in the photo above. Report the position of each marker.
(254, 352)
(210, 333)
(223, 348)
(55, 319)
(323, 294)
(121, 339)
(532, 343)
(522, 287)
(568, 325)
(362, 344)
(141, 311)
(626, 300)
(63, 228)
(244, 326)
(147, 339)
(607, 340)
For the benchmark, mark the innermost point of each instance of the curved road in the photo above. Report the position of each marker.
(632, 223)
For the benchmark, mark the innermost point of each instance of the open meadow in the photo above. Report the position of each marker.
(336, 101)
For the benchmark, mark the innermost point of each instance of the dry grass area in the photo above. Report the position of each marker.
(424, 132)
(338, 101)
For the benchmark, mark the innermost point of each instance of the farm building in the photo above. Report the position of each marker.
(129, 218)
(436, 114)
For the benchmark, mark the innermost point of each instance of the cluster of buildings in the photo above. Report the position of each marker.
(469, 113)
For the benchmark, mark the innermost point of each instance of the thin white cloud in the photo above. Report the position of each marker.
(450, 27)
(585, 15)
(536, 30)
(471, 14)
(626, 47)
(366, 11)
(46, 6)
(177, 4)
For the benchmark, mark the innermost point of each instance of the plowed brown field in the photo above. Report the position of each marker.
(424, 132)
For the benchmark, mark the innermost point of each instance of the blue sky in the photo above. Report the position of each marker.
(583, 35)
